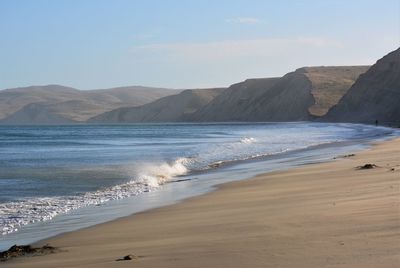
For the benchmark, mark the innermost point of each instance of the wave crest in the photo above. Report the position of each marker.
(13, 215)
(248, 140)
(156, 175)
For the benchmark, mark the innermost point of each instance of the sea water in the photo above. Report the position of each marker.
(60, 178)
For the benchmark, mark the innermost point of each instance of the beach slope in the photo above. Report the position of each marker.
(322, 215)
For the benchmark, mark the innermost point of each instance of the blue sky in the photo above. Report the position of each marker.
(92, 44)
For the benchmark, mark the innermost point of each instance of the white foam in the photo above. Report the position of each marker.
(13, 215)
(248, 140)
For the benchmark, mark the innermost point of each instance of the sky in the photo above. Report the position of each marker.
(91, 44)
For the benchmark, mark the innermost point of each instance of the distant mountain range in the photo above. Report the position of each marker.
(326, 93)
(55, 104)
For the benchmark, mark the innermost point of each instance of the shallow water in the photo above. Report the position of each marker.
(60, 178)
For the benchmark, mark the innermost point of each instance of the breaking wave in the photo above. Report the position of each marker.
(13, 215)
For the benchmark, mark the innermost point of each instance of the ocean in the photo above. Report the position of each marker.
(55, 179)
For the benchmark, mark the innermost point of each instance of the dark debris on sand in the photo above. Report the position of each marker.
(367, 166)
(25, 250)
(128, 258)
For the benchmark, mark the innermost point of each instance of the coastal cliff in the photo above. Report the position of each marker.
(304, 94)
(374, 96)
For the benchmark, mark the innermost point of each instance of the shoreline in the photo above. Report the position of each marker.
(82, 248)
(197, 183)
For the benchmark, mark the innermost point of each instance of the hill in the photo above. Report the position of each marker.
(374, 96)
(168, 109)
(304, 94)
(23, 105)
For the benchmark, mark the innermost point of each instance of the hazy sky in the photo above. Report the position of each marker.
(91, 44)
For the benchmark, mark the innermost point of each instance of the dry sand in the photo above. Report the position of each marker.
(322, 215)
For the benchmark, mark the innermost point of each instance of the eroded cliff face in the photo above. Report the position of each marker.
(234, 103)
(374, 96)
(305, 94)
(330, 84)
(288, 100)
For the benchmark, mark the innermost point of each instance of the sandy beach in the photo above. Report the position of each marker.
(320, 215)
